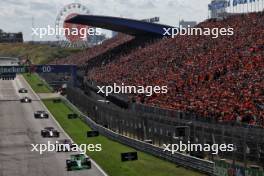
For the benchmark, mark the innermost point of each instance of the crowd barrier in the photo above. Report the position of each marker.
(184, 160)
(162, 124)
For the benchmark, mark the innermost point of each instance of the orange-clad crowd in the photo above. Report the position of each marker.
(219, 78)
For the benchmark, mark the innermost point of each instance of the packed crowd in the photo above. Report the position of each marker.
(220, 78)
(81, 58)
(108, 55)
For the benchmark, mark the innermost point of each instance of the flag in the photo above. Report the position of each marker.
(235, 2)
(242, 1)
(216, 5)
(209, 6)
(229, 3)
(220, 5)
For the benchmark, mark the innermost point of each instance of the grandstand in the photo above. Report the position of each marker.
(219, 78)
(90, 53)
(215, 86)
(10, 37)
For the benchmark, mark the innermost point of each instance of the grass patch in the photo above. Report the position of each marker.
(37, 53)
(35, 82)
(109, 158)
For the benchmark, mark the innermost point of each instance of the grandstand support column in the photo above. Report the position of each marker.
(233, 142)
(214, 142)
(123, 128)
(134, 129)
(126, 132)
(140, 128)
(194, 134)
(203, 136)
(118, 126)
(145, 127)
(130, 129)
(74, 75)
(245, 151)
(223, 140)
(137, 132)
(188, 133)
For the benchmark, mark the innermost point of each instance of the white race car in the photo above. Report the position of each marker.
(23, 90)
(50, 132)
(41, 115)
(26, 100)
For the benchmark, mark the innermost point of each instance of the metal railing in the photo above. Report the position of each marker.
(181, 159)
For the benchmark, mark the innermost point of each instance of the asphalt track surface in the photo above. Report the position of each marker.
(19, 129)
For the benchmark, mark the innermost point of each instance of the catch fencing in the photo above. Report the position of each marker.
(94, 109)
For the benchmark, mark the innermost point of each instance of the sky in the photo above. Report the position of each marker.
(17, 15)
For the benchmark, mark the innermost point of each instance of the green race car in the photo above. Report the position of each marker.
(78, 162)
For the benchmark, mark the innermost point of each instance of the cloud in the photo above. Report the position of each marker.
(148, 4)
(20, 12)
(42, 6)
(12, 2)
(137, 3)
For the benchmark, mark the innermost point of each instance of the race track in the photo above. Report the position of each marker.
(19, 129)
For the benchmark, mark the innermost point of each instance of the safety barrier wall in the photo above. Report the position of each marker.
(88, 105)
(123, 99)
(205, 129)
(162, 129)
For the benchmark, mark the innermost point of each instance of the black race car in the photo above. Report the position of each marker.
(50, 132)
(64, 145)
(23, 90)
(26, 100)
(41, 115)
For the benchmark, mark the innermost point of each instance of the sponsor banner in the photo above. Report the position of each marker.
(73, 116)
(225, 169)
(92, 133)
(130, 156)
(37, 69)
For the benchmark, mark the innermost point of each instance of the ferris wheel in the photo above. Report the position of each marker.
(67, 12)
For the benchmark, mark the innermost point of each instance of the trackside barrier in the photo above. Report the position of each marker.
(178, 158)
(160, 126)
(225, 169)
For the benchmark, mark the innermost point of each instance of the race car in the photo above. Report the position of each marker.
(64, 145)
(26, 100)
(78, 162)
(23, 90)
(50, 132)
(41, 115)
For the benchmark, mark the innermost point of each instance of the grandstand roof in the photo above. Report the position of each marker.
(124, 25)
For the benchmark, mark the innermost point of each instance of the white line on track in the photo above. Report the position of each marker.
(94, 163)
